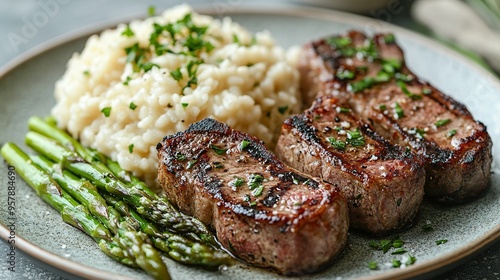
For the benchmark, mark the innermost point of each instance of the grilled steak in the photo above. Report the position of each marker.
(264, 212)
(383, 183)
(369, 74)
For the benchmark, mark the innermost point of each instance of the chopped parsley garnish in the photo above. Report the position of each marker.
(442, 122)
(191, 163)
(391, 65)
(403, 77)
(218, 150)
(218, 164)
(176, 74)
(132, 106)
(244, 144)
(451, 133)
(361, 85)
(398, 251)
(282, 109)
(339, 42)
(184, 105)
(345, 74)
(151, 11)
(236, 182)
(137, 56)
(355, 138)
(86, 73)
(398, 111)
(336, 143)
(386, 244)
(127, 80)
(382, 107)
(382, 77)
(372, 265)
(389, 39)
(180, 156)
(427, 227)
(398, 243)
(343, 110)
(254, 181)
(405, 90)
(131, 148)
(236, 39)
(106, 111)
(128, 32)
(398, 202)
(396, 263)
(258, 191)
(442, 241)
(411, 260)
(426, 91)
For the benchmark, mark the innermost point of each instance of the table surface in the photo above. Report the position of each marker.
(67, 15)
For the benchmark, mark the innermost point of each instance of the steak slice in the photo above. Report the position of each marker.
(383, 183)
(369, 74)
(264, 212)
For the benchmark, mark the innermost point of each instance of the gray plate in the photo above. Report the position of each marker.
(27, 85)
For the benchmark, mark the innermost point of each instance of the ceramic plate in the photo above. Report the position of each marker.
(27, 89)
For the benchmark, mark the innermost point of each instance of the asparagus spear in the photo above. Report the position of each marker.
(71, 211)
(145, 201)
(137, 244)
(177, 247)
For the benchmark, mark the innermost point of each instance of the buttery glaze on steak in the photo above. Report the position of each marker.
(403, 109)
(284, 219)
(383, 183)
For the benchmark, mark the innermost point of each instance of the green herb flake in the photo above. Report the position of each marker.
(128, 32)
(355, 138)
(411, 260)
(385, 245)
(343, 110)
(339, 42)
(441, 241)
(382, 107)
(396, 263)
(218, 150)
(398, 202)
(176, 74)
(151, 11)
(131, 148)
(254, 181)
(246, 198)
(86, 73)
(218, 164)
(442, 122)
(184, 105)
(398, 251)
(282, 109)
(403, 77)
(258, 191)
(345, 74)
(427, 227)
(393, 63)
(405, 90)
(127, 80)
(374, 244)
(361, 85)
(191, 163)
(243, 144)
(336, 143)
(373, 265)
(236, 182)
(236, 39)
(451, 133)
(426, 91)
(389, 39)
(253, 203)
(398, 111)
(132, 106)
(106, 111)
(382, 77)
(180, 156)
(398, 243)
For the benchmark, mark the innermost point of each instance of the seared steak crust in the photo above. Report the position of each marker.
(264, 212)
(403, 109)
(383, 183)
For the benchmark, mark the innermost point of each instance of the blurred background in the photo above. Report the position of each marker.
(470, 27)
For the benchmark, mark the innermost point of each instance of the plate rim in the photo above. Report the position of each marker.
(281, 9)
